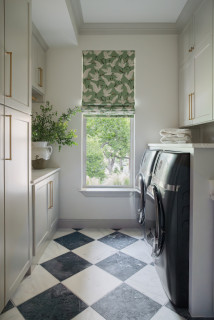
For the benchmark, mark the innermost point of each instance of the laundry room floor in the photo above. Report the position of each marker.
(93, 274)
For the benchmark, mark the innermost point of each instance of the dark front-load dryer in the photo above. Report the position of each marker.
(167, 223)
(143, 180)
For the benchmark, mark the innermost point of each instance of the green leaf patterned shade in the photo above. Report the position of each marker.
(108, 82)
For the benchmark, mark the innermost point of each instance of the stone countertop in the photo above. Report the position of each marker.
(182, 145)
(41, 174)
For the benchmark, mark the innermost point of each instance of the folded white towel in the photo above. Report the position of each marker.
(174, 139)
(181, 135)
(174, 131)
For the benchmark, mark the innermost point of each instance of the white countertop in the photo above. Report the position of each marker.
(182, 145)
(41, 174)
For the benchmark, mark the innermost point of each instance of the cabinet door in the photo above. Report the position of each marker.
(186, 42)
(186, 87)
(34, 63)
(203, 24)
(38, 66)
(1, 52)
(17, 54)
(41, 68)
(202, 107)
(17, 207)
(1, 207)
(54, 200)
(41, 227)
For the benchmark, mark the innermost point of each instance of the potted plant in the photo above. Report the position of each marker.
(49, 128)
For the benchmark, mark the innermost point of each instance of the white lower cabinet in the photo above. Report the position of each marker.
(45, 208)
(15, 209)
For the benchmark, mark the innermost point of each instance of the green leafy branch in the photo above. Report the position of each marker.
(47, 126)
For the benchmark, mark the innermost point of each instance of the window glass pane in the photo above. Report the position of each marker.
(108, 151)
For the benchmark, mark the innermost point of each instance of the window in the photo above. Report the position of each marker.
(108, 151)
(108, 116)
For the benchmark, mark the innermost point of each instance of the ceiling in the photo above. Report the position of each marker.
(61, 21)
(131, 11)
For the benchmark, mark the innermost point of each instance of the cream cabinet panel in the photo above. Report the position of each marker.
(186, 42)
(203, 23)
(41, 228)
(202, 106)
(1, 207)
(17, 206)
(53, 195)
(38, 66)
(17, 54)
(186, 90)
(1, 52)
(45, 209)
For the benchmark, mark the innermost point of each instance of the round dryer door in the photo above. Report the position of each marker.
(158, 241)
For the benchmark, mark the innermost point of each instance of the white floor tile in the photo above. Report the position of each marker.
(39, 281)
(88, 314)
(95, 251)
(147, 282)
(53, 250)
(166, 314)
(91, 284)
(140, 251)
(62, 232)
(133, 232)
(12, 314)
(96, 233)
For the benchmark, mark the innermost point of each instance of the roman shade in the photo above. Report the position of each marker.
(108, 82)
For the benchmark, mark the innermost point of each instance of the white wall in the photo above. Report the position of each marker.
(156, 93)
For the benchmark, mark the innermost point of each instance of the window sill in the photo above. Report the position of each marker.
(108, 192)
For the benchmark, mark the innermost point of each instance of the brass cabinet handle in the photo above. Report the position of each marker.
(189, 108)
(40, 77)
(192, 94)
(10, 139)
(10, 94)
(51, 195)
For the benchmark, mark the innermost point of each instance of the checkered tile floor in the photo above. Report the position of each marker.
(93, 274)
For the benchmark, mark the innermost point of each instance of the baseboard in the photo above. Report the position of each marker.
(97, 223)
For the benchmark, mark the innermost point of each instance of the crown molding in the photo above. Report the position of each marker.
(127, 28)
(39, 37)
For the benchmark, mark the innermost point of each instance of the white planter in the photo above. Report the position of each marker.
(41, 150)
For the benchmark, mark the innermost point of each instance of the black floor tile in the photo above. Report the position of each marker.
(73, 240)
(8, 306)
(56, 303)
(118, 240)
(66, 265)
(125, 303)
(121, 265)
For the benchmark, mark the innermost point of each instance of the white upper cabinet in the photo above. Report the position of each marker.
(186, 93)
(38, 66)
(186, 42)
(17, 54)
(196, 61)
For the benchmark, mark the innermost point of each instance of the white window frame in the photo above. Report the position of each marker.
(83, 159)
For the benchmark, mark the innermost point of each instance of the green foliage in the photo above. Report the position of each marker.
(112, 136)
(95, 160)
(47, 126)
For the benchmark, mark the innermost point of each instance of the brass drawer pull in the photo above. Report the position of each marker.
(40, 77)
(10, 93)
